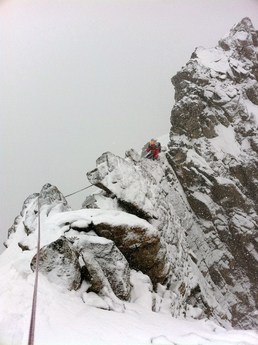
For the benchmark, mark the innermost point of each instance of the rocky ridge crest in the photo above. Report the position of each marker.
(187, 221)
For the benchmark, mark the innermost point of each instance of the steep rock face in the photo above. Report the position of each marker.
(213, 150)
(202, 195)
(152, 190)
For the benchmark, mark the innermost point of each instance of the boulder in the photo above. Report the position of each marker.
(123, 183)
(144, 251)
(100, 283)
(139, 242)
(110, 260)
(59, 262)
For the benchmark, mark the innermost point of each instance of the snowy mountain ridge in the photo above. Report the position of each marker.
(213, 149)
(173, 238)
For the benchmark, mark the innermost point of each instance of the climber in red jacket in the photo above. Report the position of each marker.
(154, 149)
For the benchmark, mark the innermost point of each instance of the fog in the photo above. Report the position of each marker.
(83, 77)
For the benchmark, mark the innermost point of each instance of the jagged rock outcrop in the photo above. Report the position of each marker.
(161, 200)
(202, 195)
(213, 152)
(19, 219)
(50, 200)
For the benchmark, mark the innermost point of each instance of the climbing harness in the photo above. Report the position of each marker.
(35, 292)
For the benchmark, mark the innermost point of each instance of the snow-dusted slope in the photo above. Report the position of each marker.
(77, 318)
(66, 316)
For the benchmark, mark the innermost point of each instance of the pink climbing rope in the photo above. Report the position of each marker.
(35, 292)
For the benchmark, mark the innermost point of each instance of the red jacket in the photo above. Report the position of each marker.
(155, 150)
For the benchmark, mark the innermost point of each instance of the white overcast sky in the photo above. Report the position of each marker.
(81, 77)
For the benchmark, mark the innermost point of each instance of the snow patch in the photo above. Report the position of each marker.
(241, 35)
(164, 139)
(225, 142)
(213, 58)
(86, 216)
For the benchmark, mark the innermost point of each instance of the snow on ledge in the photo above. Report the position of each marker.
(225, 142)
(114, 218)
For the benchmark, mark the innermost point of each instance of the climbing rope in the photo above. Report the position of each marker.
(35, 292)
(78, 191)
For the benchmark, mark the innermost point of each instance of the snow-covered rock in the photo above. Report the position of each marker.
(109, 259)
(98, 246)
(60, 263)
(138, 240)
(50, 201)
(186, 285)
(177, 236)
(202, 193)
(213, 151)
